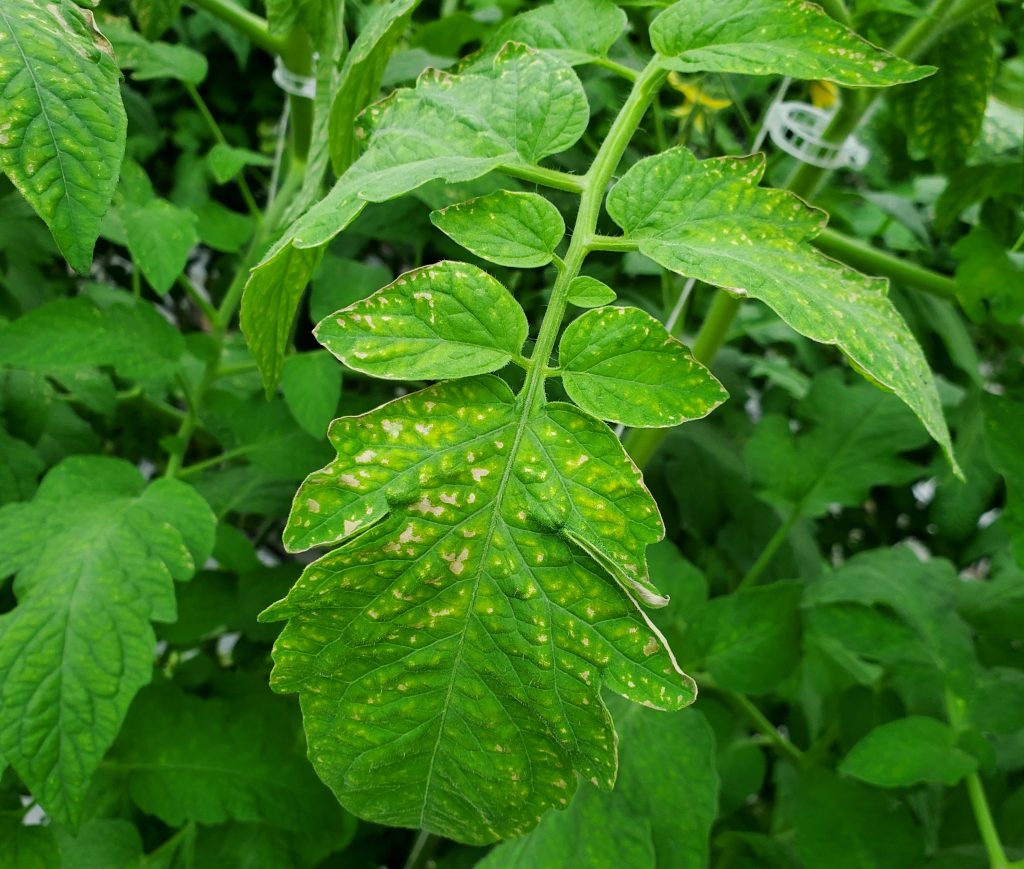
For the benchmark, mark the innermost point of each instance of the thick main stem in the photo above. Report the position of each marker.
(244, 21)
(595, 183)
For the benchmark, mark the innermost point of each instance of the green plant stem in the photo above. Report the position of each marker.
(297, 56)
(422, 850)
(620, 69)
(986, 825)
(553, 178)
(772, 547)
(244, 21)
(863, 256)
(209, 311)
(218, 135)
(213, 461)
(595, 183)
(758, 719)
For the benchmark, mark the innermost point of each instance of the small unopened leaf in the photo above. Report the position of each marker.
(511, 229)
(587, 292)
(449, 658)
(96, 554)
(622, 365)
(226, 162)
(708, 219)
(62, 122)
(311, 383)
(445, 320)
(773, 37)
(907, 752)
(160, 237)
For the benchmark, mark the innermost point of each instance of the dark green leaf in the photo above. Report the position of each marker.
(906, 752)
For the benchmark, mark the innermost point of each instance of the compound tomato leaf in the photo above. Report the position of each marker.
(622, 365)
(587, 292)
(361, 76)
(708, 219)
(439, 321)
(773, 37)
(449, 657)
(62, 122)
(519, 230)
(96, 553)
(577, 31)
(526, 106)
(909, 751)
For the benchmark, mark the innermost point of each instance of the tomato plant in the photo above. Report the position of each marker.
(497, 378)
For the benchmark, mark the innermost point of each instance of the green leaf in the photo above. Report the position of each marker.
(773, 37)
(577, 31)
(20, 467)
(843, 825)
(103, 843)
(622, 365)
(160, 237)
(449, 657)
(989, 279)
(67, 334)
(648, 816)
(62, 123)
(907, 752)
(1004, 422)
(155, 16)
(153, 60)
(943, 115)
(360, 78)
(850, 440)
(587, 292)
(525, 107)
(96, 554)
(270, 303)
(185, 758)
(445, 320)
(339, 282)
(311, 383)
(226, 162)
(708, 219)
(749, 641)
(25, 847)
(314, 16)
(221, 228)
(520, 230)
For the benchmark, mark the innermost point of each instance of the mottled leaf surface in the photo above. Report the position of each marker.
(62, 123)
(709, 220)
(96, 553)
(773, 37)
(513, 229)
(578, 31)
(909, 751)
(445, 320)
(526, 106)
(622, 365)
(449, 657)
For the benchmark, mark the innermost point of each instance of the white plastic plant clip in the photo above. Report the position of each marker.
(293, 83)
(798, 129)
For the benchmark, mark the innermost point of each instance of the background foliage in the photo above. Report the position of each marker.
(850, 608)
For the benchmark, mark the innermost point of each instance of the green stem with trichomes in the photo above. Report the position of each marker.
(244, 21)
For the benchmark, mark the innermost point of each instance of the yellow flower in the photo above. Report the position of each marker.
(824, 94)
(696, 101)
